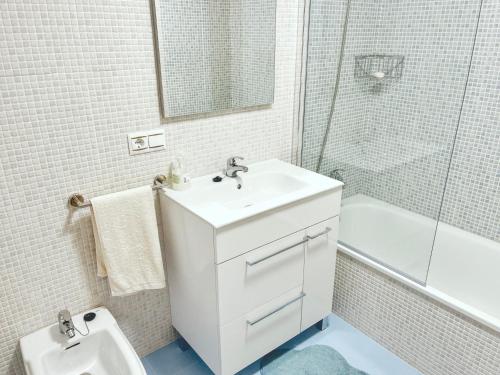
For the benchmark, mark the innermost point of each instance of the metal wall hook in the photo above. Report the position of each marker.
(160, 179)
(77, 200)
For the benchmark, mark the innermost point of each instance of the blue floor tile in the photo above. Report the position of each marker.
(357, 348)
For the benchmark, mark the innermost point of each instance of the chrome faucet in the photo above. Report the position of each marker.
(337, 174)
(66, 326)
(232, 167)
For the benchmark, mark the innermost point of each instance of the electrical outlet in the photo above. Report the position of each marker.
(146, 141)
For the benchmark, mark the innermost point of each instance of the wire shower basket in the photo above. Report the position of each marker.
(379, 66)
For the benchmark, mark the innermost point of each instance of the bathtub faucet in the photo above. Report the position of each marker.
(337, 174)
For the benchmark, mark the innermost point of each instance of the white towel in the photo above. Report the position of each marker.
(127, 244)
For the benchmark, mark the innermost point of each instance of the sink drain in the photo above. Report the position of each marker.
(86, 373)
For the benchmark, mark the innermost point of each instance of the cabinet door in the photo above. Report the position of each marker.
(319, 271)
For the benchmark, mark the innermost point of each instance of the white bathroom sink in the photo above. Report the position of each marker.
(265, 186)
(105, 351)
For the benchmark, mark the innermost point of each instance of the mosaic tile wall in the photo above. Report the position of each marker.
(473, 188)
(216, 55)
(252, 52)
(194, 56)
(411, 122)
(426, 334)
(384, 135)
(325, 34)
(75, 78)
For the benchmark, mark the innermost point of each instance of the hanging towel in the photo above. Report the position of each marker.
(127, 245)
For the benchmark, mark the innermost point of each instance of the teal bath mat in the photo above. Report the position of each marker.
(313, 360)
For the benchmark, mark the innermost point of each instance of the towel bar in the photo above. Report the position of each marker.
(77, 200)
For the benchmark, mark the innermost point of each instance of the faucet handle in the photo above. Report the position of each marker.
(64, 316)
(66, 326)
(231, 162)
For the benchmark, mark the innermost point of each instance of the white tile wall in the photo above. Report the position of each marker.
(75, 78)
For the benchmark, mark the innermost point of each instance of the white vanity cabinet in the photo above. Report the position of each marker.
(240, 290)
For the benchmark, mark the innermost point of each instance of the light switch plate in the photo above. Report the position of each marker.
(146, 141)
(157, 140)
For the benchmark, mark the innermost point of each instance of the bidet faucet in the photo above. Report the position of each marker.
(66, 326)
(232, 167)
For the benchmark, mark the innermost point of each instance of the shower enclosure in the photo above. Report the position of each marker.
(383, 100)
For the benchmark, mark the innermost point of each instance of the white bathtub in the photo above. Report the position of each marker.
(398, 238)
(464, 269)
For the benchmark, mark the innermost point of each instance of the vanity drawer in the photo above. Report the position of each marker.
(243, 236)
(260, 275)
(260, 331)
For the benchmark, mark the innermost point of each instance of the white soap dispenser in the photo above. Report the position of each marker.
(179, 180)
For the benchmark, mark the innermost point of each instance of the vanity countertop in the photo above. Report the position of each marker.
(267, 185)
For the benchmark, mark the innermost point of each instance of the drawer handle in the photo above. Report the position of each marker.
(251, 323)
(327, 229)
(253, 263)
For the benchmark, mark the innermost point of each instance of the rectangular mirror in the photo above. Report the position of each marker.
(214, 56)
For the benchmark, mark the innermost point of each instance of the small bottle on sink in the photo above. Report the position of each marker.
(179, 180)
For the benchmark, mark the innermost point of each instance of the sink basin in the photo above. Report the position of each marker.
(261, 188)
(105, 351)
(255, 188)
(266, 185)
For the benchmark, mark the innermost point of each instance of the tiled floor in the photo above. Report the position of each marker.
(358, 349)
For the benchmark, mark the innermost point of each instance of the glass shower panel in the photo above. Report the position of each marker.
(394, 119)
